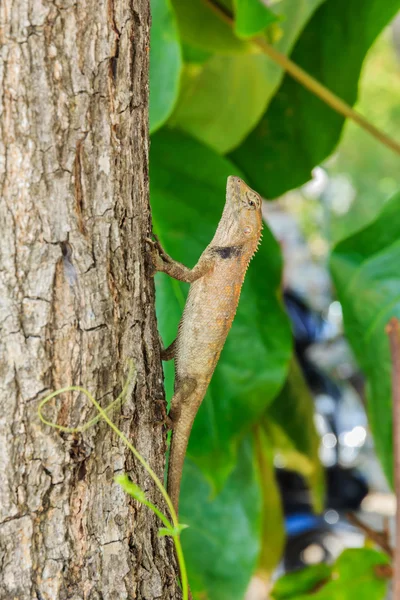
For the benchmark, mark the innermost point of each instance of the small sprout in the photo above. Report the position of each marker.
(172, 531)
(131, 488)
(181, 527)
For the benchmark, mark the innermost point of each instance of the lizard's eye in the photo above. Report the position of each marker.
(252, 201)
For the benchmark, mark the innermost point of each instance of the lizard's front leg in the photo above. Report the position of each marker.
(164, 263)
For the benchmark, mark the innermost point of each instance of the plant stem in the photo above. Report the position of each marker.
(130, 381)
(312, 84)
(179, 552)
(380, 538)
(393, 331)
(103, 414)
(338, 105)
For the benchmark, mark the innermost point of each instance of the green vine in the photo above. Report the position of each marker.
(172, 529)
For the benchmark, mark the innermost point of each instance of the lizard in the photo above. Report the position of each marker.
(216, 281)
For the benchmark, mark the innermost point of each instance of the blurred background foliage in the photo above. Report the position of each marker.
(369, 171)
(220, 106)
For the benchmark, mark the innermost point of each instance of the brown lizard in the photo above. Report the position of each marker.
(216, 282)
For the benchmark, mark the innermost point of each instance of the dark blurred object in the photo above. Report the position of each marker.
(345, 490)
(308, 326)
(314, 538)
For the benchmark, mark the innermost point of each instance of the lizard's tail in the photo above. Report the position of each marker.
(180, 437)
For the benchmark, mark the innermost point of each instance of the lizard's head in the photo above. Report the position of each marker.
(242, 218)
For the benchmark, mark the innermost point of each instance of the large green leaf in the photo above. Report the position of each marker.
(289, 422)
(356, 574)
(372, 173)
(222, 542)
(224, 99)
(298, 130)
(188, 184)
(165, 62)
(365, 269)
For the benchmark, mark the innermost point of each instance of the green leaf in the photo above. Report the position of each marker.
(365, 269)
(272, 523)
(371, 174)
(293, 19)
(302, 581)
(298, 130)
(131, 488)
(252, 17)
(354, 575)
(172, 531)
(188, 184)
(289, 421)
(222, 543)
(165, 63)
(244, 82)
(202, 28)
(224, 99)
(194, 55)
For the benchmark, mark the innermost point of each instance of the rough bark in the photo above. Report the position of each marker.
(76, 302)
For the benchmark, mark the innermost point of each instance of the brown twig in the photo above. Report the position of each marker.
(393, 331)
(383, 571)
(380, 538)
(386, 530)
(312, 84)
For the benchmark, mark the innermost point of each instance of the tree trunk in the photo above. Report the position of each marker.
(76, 302)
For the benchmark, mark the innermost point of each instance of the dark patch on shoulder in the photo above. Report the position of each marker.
(227, 251)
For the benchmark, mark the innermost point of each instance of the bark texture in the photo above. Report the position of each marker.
(76, 302)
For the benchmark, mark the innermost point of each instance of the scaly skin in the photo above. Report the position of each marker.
(216, 282)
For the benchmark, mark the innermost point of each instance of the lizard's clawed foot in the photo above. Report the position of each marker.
(156, 258)
(157, 249)
(165, 419)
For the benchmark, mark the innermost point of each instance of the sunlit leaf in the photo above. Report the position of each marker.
(365, 268)
(298, 130)
(223, 100)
